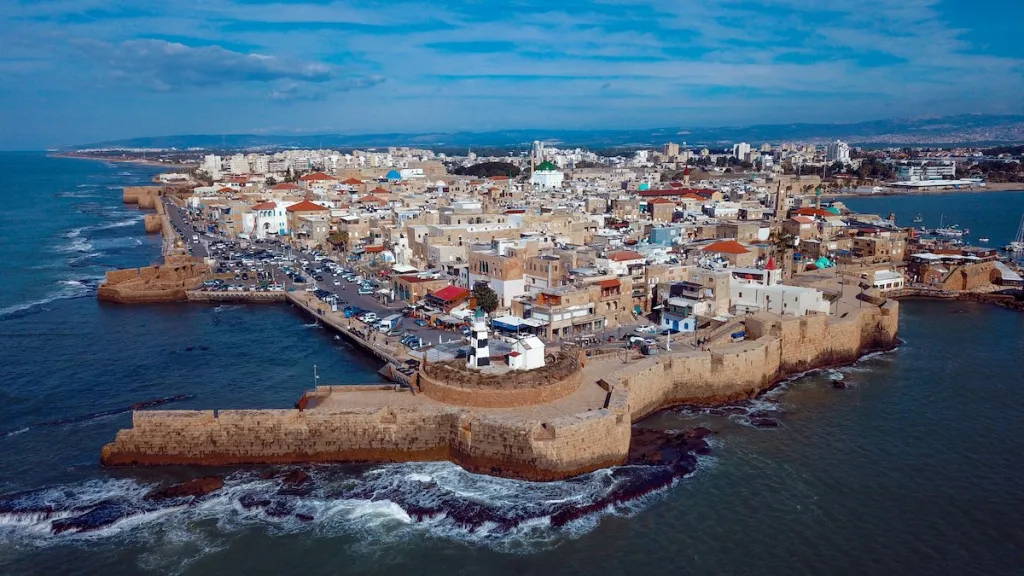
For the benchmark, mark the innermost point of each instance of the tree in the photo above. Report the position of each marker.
(488, 170)
(485, 297)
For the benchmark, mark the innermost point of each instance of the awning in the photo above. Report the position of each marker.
(533, 322)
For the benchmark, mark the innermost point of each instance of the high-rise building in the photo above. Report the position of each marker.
(741, 150)
(671, 150)
(838, 151)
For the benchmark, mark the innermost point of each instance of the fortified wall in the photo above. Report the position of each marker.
(505, 442)
(167, 282)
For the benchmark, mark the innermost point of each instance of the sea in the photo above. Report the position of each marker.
(914, 467)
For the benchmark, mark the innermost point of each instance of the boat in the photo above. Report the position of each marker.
(982, 239)
(918, 218)
(953, 231)
(1018, 243)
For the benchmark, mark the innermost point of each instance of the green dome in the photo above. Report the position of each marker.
(833, 210)
(644, 186)
(547, 166)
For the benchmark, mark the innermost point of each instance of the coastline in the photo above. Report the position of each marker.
(990, 187)
(542, 441)
(139, 161)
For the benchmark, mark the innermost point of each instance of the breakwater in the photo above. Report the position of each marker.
(535, 442)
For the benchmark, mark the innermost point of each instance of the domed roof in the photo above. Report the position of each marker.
(833, 210)
(394, 175)
(644, 186)
(547, 166)
(440, 183)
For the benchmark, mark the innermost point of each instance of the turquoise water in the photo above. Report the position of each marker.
(914, 468)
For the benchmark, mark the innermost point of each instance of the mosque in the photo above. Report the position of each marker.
(547, 175)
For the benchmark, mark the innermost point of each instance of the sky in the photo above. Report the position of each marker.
(78, 71)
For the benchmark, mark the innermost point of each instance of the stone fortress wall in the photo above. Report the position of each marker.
(511, 444)
(167, 282)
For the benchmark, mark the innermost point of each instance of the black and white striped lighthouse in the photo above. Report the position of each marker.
(479, 355)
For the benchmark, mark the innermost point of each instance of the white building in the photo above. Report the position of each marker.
(929, 171)
(239, 165)
(777, 299)
(266, 219)
(547, 175)
(527, 354)
(741, 150)
(838, 151)
(887, 280)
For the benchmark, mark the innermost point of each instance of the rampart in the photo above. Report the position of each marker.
(508, 442)
(167, 282)
(458, 386)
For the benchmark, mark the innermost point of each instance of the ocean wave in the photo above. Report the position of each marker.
(70, 290)
(386, 503)
(226, 307)
(77, 243)
(76, 194)
(119, 223)
(83, 260)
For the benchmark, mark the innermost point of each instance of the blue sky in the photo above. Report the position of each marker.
(74, 71)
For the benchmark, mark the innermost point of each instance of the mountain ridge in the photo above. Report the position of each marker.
(960, 129)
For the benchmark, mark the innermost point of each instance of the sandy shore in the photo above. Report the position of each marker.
(118, 160)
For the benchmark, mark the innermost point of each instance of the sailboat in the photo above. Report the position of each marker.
(953, 231)
(918, 219)
(1018, 244)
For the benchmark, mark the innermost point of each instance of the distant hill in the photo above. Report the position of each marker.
(964, 129)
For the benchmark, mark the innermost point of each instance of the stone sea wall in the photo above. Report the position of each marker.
(496, 445)
(167, 282)
(511, 444)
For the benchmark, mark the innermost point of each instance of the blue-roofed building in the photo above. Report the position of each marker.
(665, 235)
(394, 175)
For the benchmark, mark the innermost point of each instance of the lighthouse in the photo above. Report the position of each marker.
(479, 355)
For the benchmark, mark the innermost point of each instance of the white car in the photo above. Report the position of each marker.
(650, 329)
(336, 283)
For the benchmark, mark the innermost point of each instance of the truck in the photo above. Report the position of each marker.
(389, 323)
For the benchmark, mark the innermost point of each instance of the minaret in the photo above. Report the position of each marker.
(479, 355)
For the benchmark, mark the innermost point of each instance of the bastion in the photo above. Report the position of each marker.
(572, 419)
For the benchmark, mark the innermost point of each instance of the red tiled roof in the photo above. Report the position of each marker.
(371, 199)
(813, 212)
(623, 255)
(660, 201)
(803, 219)
(264, 206)
(449, 293)
(726, 247)
(499, 177)
(352, 182)
(315, 176)
(285, 186)
(226, 189)
(306, 206)
(373, 249)
(379, 190)
(613, 283)
(677, 191)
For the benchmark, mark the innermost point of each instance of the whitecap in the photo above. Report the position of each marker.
(72, 289)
